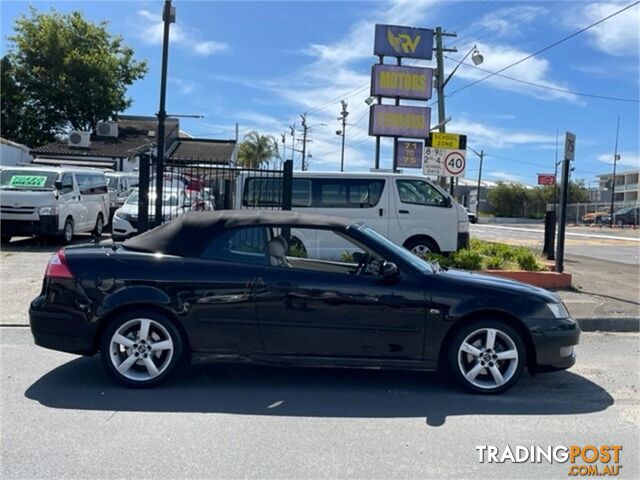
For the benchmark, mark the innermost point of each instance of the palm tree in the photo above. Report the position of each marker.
(256, 150)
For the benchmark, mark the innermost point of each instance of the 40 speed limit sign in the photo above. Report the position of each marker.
(454, 163)
(444, 162)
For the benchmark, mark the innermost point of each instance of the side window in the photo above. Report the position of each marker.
(348, 193)
(419, 192)
(243, 245)
(301, 194)
(91, 184)
(84, 183)
(67, 183)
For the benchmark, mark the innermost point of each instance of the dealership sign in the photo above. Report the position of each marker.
(546, 179)
(399, 121)
(414, 83)
(409, 154)
(395, 41)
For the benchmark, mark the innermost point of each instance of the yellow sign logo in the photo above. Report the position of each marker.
(403, 43)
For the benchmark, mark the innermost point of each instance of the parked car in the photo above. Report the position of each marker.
(120, 186)
(58, 201)
(473, 218)
(623, 216)
(175, 202)
(596, 217)
(223, 287)
(409, 210)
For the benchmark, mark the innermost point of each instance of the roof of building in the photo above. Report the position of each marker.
(4, 141)
(204, 150)
(190, 233)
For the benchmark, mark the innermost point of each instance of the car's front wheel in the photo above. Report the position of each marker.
(487, 356)
(141, 348)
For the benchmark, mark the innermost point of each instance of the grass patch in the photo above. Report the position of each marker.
(482, 255)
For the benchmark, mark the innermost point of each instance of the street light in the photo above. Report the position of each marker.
(476, 57)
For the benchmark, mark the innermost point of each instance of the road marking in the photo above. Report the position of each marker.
(573, 234)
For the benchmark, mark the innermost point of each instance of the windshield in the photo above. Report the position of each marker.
(27, 180)
(402, 252)
(112, 183)
(169, 199)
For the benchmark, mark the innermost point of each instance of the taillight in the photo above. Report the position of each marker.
(58, 267)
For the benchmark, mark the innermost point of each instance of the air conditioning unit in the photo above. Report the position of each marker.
(79, 138)
(107, 129)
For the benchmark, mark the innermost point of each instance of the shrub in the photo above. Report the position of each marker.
(494, 263)
(467, 260)
(527, 260)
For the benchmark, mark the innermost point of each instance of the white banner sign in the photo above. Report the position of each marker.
(443, 162)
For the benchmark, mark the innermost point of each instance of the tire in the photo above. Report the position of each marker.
(421, 246)
(99, 228)
(67, 231)
(478, 368)
(146, 366)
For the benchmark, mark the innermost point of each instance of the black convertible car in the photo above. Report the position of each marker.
(286, 288)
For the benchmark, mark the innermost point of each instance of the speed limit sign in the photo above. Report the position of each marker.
(455, 163)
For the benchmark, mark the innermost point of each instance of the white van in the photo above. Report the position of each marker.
(120, 186)
(409, 210)
(52, 201)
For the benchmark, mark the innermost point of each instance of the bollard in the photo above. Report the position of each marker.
(549, 234)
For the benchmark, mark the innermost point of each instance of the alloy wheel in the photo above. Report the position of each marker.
(68, 231)
(420, 249)
(488, 358)
(141, 349)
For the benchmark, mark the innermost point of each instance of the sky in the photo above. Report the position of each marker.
(262, 64)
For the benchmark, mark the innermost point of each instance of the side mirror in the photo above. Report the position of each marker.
(390, 270)
(447, 202)
(58, 185)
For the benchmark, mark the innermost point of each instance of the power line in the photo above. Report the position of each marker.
(548, 87)
(548, 47)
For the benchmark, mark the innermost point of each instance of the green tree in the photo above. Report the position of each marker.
(256, 150)
(508, 199)
(63, 71)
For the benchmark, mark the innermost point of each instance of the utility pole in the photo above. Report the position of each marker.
(569, 155)
(292, 128)
(343, 117)
(555, 177)
(305, 129)
(440, 84)
(169, 17)
(284, 148)
(616, 157)
(479, 181)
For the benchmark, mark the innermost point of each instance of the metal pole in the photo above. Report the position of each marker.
(395, 139)
(555, 177)
(564, 194)
(143, 197)
(380, 60)
(304, 141)
(613, 179)
(344, 115)
(479, 180)
(167, 17)
(292, 128)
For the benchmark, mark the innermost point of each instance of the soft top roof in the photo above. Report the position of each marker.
(188, 234)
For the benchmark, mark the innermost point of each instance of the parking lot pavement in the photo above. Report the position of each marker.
(63, 417)
(22, 265)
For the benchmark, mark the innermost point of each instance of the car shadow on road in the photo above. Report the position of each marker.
(47, 244)
(256, 390)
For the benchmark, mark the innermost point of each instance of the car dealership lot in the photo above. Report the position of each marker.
(64, 417)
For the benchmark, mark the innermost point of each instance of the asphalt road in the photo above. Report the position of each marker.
(62, 417)
(622, 246)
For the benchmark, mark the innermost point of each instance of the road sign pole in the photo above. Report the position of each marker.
(569, 154)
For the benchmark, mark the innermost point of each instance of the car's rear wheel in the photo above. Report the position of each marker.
(141, 348)
(487, 356)
(99, 228)
(421, 246)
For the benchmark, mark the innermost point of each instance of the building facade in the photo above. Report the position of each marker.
(627, 187)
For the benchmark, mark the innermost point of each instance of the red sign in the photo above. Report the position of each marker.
(546, 179)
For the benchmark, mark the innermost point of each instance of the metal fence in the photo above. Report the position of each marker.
(197, 185)
(590, 213)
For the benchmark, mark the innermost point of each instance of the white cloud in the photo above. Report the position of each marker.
(617, 36)
(501, 175)
(501, 21)
(151, 32)
(482, 135)
(497, 56)
(185, 87)
(630, 159)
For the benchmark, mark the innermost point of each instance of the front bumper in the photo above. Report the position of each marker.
(46, 225)
(121, 228)
(553, 345)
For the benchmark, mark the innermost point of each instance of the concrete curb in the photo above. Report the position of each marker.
(615, 324)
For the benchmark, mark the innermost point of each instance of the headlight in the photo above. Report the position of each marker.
(558, 310)
(48, 210)
(122, 215)
(463, 226)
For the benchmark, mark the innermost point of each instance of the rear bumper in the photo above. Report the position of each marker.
(553, 346)
(46, 225)
(60, 328)
(463, 240)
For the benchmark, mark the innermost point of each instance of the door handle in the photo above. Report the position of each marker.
(381, 212)
(404, 211)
